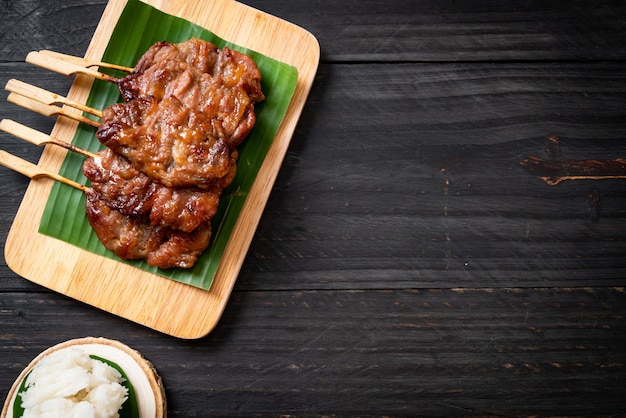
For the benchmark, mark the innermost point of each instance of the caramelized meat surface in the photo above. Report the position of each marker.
(223, 85)
(129, 191)
(164, 61)
(171, 150)
(131, 237)
(171, 143)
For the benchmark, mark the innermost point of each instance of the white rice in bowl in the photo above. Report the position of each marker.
(69, 383)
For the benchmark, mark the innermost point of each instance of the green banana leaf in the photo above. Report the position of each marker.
(140, 26)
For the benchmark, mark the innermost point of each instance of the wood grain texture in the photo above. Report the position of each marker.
(448, 352)
(449, 30)
(423, 186)
(395, 30)
(405, 264)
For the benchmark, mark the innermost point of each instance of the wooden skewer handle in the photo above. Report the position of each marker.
(48, 110)
(46, 97)
(33, 171)
(38, 138)
(24, 132)
(83, 62)
(60, 66)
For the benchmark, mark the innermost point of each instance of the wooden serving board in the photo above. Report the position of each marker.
(165, 305)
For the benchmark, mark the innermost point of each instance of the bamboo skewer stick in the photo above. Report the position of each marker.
(47, 97)
(33, 171)
(48, 110)
(39, 138)
(83, 62)
(61, 66)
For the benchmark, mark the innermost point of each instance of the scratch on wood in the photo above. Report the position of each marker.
(554, 170)
(554, 148)
(593, 199)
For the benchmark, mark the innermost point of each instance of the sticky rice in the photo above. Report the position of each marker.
(69, 383)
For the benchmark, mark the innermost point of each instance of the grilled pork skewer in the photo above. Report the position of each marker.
(131, 192)
(126, 236)
(188, 106)
(218, 173)
(130, 237)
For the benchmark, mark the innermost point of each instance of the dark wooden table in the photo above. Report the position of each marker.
(407, 262)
